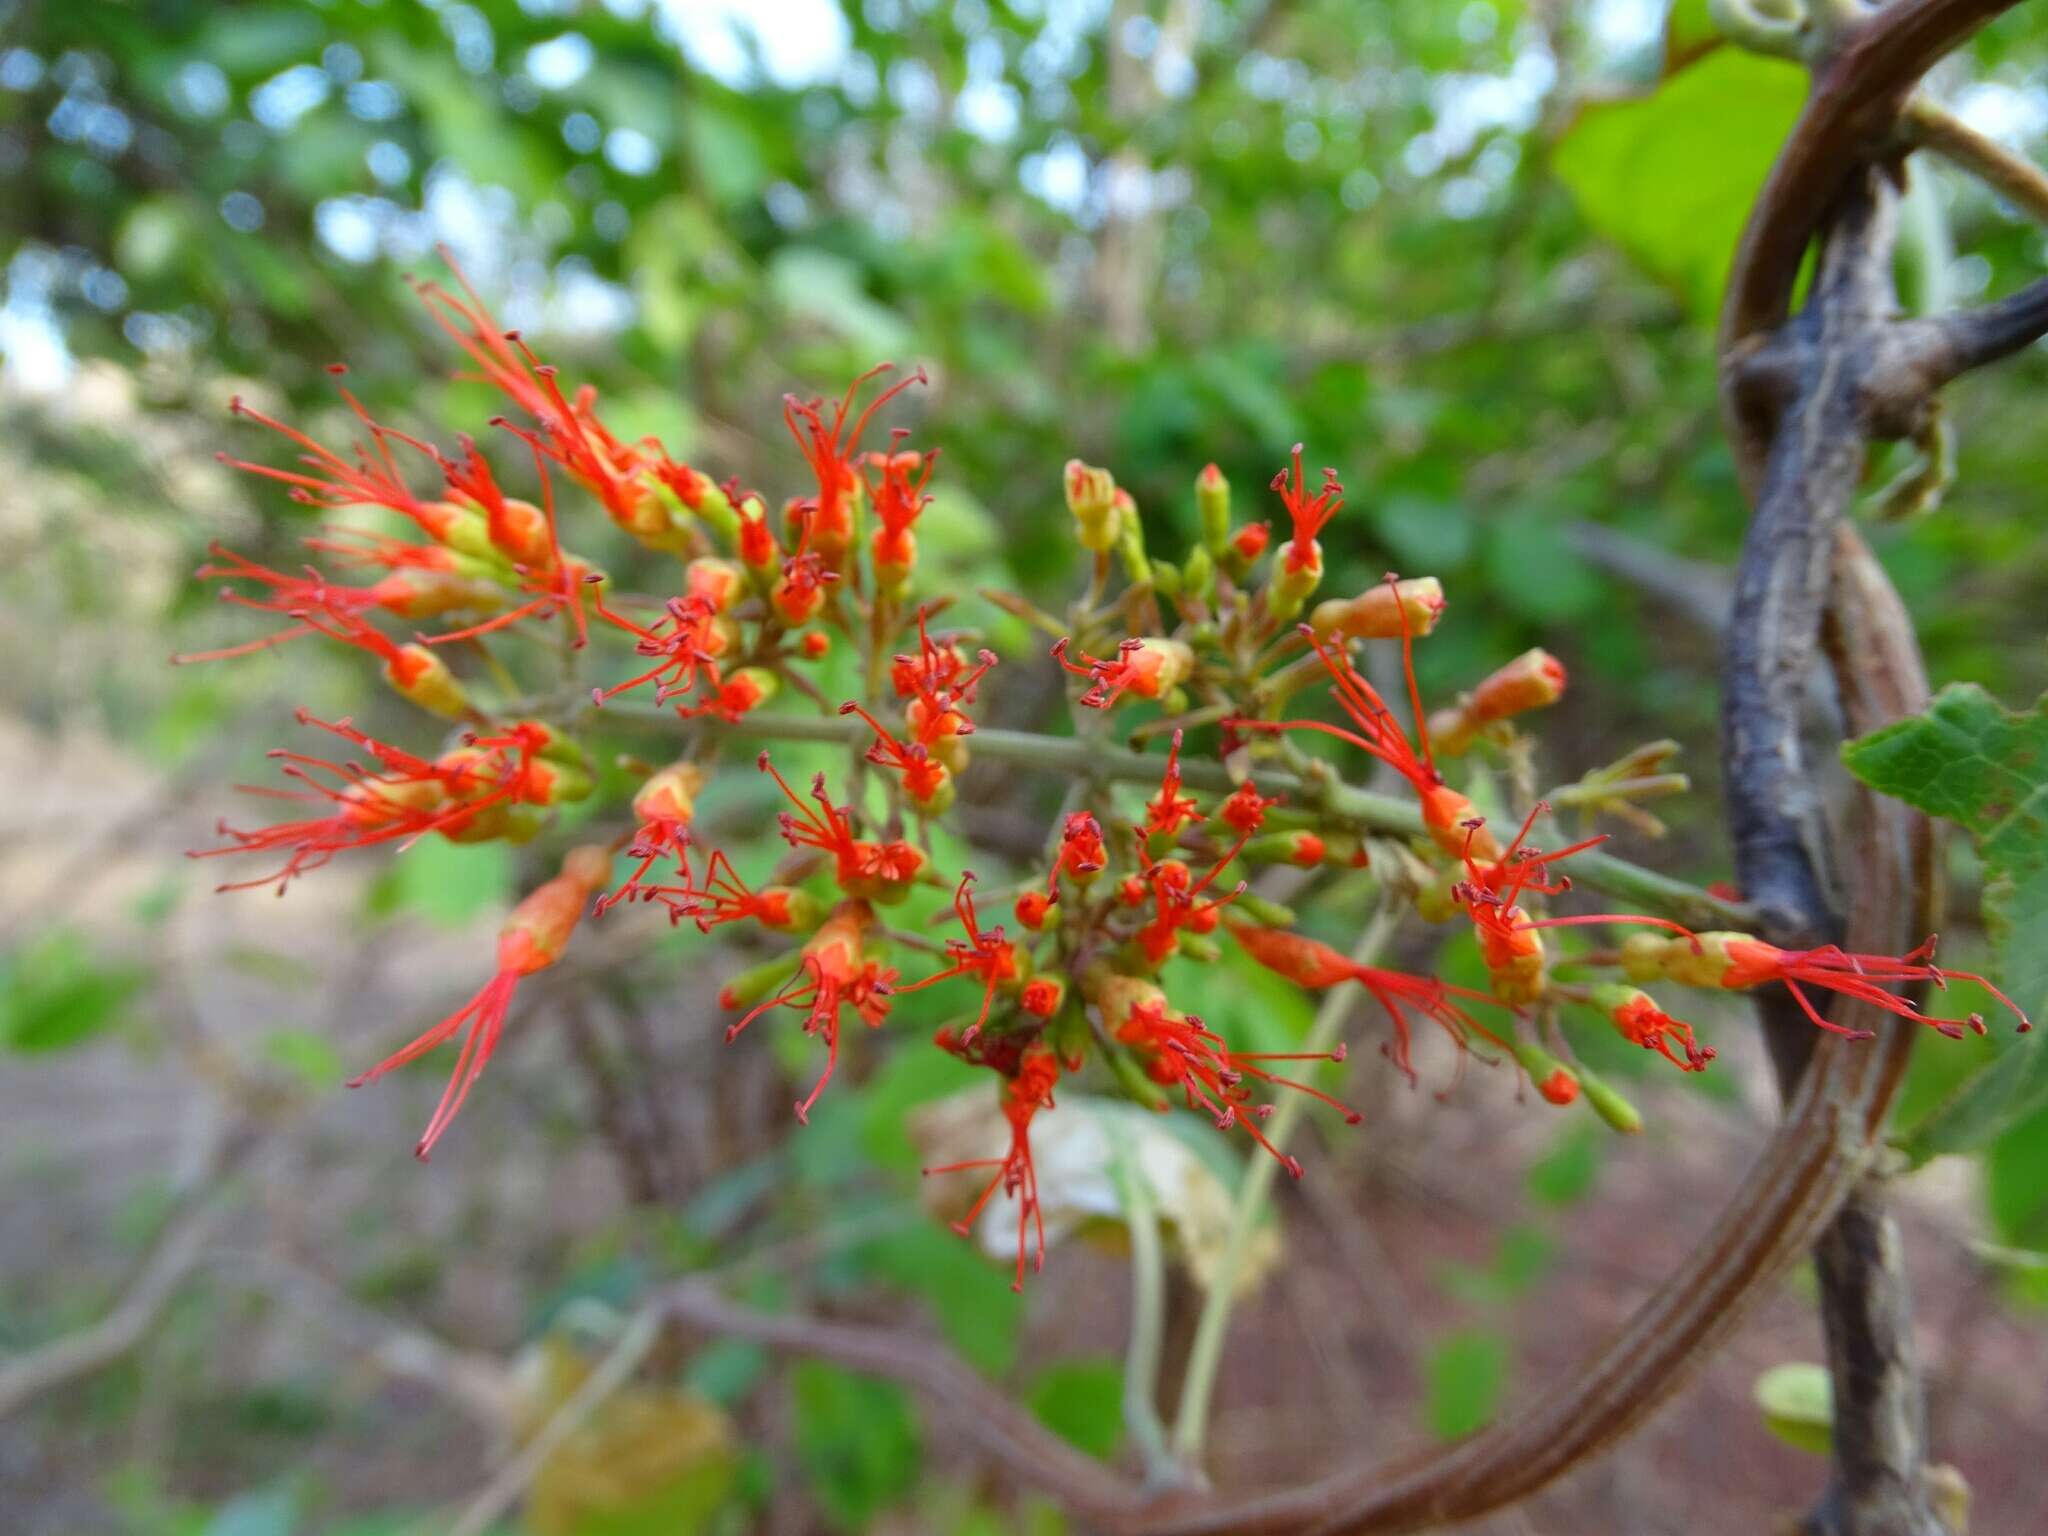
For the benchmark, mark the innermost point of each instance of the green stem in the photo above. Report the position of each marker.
(1191, 1420)
(1357, 809)
(1148, 1316)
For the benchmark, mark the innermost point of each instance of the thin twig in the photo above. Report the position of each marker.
(611, 1373)
(180, 1247)
(1148, 1317)
(1927, 125)
(1254, 1188)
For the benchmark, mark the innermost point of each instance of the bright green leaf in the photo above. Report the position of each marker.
(1534, 569)
(445, 882)
(1081, 1401)
(1564, 1175)
(1972, 761)
(1670, 177)
(855, 1440)
(1463, 1380)
(1798, 1402)
(306, 1056)
(57, 992)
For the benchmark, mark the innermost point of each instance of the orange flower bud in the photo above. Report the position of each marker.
(1532, 680)
(670, 794)
(720, 583)
(423, 678)
(1379, 611)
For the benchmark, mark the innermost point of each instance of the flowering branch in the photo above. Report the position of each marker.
(1340, 803)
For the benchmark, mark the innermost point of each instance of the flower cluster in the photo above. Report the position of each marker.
(1136, 888)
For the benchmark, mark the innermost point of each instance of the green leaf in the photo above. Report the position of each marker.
(1082, 1401)
(1972, 761)
(819, 288)
(1535, 570)
(1463, 1380)
(855, 1440)
(1798, 1402)
(1427, 533)
(1689, 31)
(306, 1056)
(57, 993)
(2016, 1180)
(1670, 177)
(444, 882)
(725, 1372)
(1564, 1175)
(727, 153)
(977, 1311)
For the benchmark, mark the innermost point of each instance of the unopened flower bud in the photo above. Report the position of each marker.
(1130, 539)
(1379, 612)
(1551, 1077)
(1609, 1105)
(1042, 995)
(1092, 498)
(1212, 506)
(1032, 909)
(1532, 680)
(423, 678)
(755, 983)
(670, 794)
(718, 582)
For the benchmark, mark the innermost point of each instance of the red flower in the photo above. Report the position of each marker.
(1179, 1051)
(554, 581)
(1309, 963)
(1081, 856)
(1508, 941)
(878, 871)
(299, 598)
(987, 957)
(406, 798)
(1170, 810)
(730, 698)
(830, 451)
(1028, 1090)
(800, 592)
(723, 897)
(1032, 908)
(1446, 814)
(688, 639)
(1245, 810)
(570, 432)
(532, 939)
(898, 499)
(1738, 961)
(1146, 667)
(1641, 1022)
(926, 780)
(833, 975)
(1309, 515)
(936, 668)
(370, 478)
